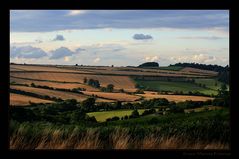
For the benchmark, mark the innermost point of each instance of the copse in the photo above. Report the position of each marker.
(110, 87)
(89, 104)
(94, 83)
(149, 64)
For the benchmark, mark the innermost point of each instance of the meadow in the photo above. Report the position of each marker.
(173, 86)
(103, 115)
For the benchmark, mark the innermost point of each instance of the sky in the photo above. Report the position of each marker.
(119, 37)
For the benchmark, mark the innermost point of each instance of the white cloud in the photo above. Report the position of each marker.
(66, 59)
(199, 58)
(151, 58)
(96, 60)
(76, 12)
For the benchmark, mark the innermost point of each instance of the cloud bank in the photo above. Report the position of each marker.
(26, 52)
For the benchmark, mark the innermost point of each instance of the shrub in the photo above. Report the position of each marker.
(147, 112)
(115, 118)
(135, 114)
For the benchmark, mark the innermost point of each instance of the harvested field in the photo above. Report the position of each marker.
(22, 100)
(195, 70)
(115, 96)
(140, 71)
(118, 81)
(58, 94)
(176, 98)
(148, 73)
(42, 68)
(54, 84)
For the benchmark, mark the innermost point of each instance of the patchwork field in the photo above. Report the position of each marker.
(118, 81)
(42, 68)
(185, 87)
(53, 84)
(195, 70)
(58, 94)
(176, 98)
(22, 100)
(69, 77)
(115, 96)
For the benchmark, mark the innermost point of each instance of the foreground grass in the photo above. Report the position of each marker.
(203, 130)
(102, 116)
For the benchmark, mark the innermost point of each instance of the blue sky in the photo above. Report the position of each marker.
(119, 37)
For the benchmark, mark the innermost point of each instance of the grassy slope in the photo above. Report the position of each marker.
(174, 86)
(210, 83)
(102, 116)
(172, 68)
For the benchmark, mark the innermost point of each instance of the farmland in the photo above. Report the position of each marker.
(176, 98)
(22, 100)
(53, 93)
(102, 116)
(146, 108)
(114, 96)
(174, 86)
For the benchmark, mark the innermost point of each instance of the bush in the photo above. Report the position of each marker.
(135, 114)
(150, 111)
(91, 119)
(115, 118)
(139, 91)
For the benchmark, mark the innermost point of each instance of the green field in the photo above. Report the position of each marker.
(174, 86)
(171, 68)
(102, 116)
(210, 83)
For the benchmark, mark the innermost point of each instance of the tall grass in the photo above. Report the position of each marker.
(203, 130)
(119, 138)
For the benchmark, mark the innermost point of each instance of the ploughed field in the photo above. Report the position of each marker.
(177, 98)
(123, 79)
(21, 100)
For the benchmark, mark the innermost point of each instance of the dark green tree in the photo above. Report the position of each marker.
(110, 87)
(89, 104)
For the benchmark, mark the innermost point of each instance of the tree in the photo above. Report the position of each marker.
(33, 85)
(110, 87)
(135, 114)
(118, 105)
(223, 90)
(89, 104)
(137, 85)
(85, 80)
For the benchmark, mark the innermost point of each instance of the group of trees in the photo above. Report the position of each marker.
(64, 112)
(210, 67)
(149, 64)
(108, 88)
(96, 84)
(92, 82)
